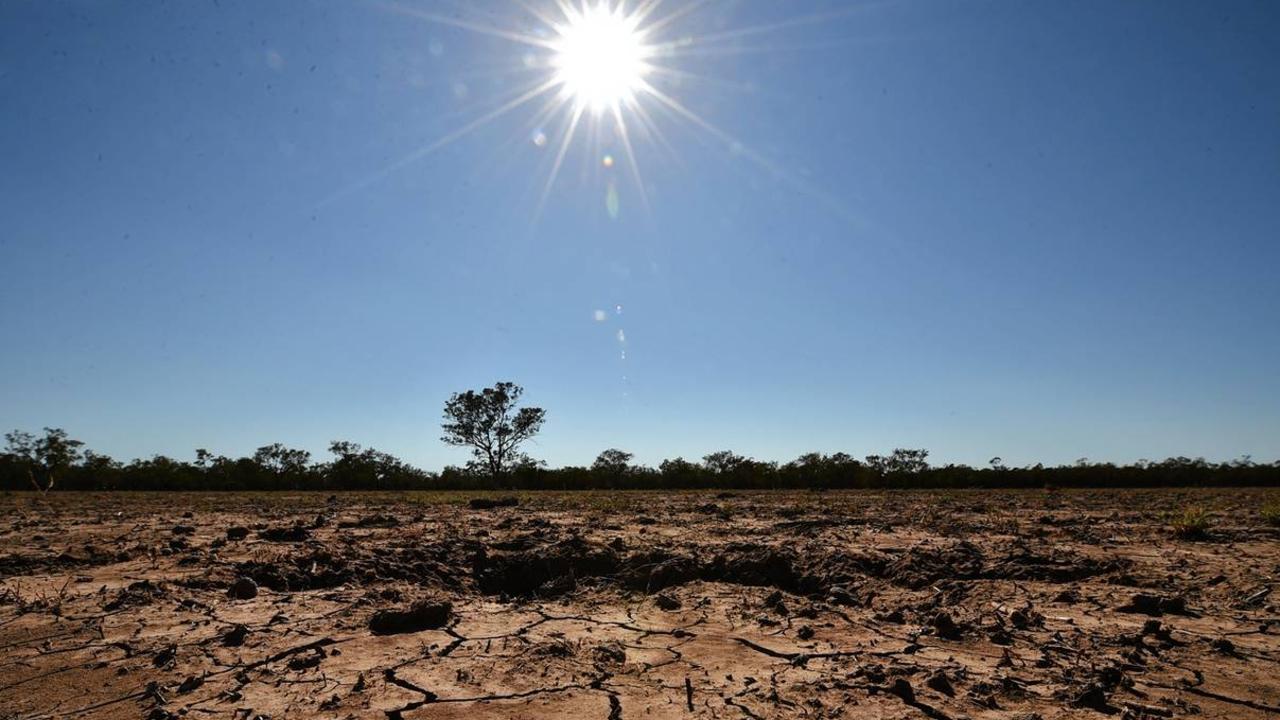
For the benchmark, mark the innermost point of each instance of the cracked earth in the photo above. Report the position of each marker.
(929, 604)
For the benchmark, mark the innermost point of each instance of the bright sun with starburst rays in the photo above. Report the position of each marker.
(604, 70)
(599, 57)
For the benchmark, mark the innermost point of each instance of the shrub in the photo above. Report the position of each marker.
(1271, 511)
(1192, 523)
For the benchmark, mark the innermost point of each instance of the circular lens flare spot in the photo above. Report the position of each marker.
(599, 57)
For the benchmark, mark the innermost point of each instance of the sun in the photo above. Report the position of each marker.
(599, 57)
(607, 72)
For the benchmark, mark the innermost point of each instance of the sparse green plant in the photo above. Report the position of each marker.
(1192, 523)
(1271, 511)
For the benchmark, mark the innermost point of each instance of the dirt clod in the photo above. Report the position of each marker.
(292, 533)
(421, 615)
(492, 503)
(939, 682)
(1157, 605)
(945, 627)
(667, 601)
(243, 589)
(235, 636)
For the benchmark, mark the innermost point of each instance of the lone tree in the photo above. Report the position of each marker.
(52, 454)
(612, 464)
(491, 425)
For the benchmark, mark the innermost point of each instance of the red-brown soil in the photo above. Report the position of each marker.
(974, 604)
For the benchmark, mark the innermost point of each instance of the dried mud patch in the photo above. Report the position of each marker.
(550, 570)
(19, 564)
(554, 568)
(751, 605)
(926, 564)
(322, 569)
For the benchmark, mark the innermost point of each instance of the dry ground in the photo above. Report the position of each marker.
(976, 604)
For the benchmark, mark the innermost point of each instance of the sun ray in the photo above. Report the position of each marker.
(621, 126)
(554, 104)
(698, 120)
(644, 10)
(468, 25)
(498, 157)
(577, 112)
(542, 17)
(435, 145)
(733, 50)
(566, 8)
(480, 74)
(741, 148)
(653, 132)
(768, 27)
(595, 151)
(674, 15)
(686, 75)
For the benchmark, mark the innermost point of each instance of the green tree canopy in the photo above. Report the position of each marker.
(493, 427)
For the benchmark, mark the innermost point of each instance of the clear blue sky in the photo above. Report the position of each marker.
(1028, 229)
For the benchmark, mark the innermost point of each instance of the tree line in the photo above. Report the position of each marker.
(493, 425)
(54, 461)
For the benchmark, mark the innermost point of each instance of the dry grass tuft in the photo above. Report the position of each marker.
(1192, 523)
(1271, 511)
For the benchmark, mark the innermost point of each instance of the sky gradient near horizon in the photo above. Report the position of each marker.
(1040, 231)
